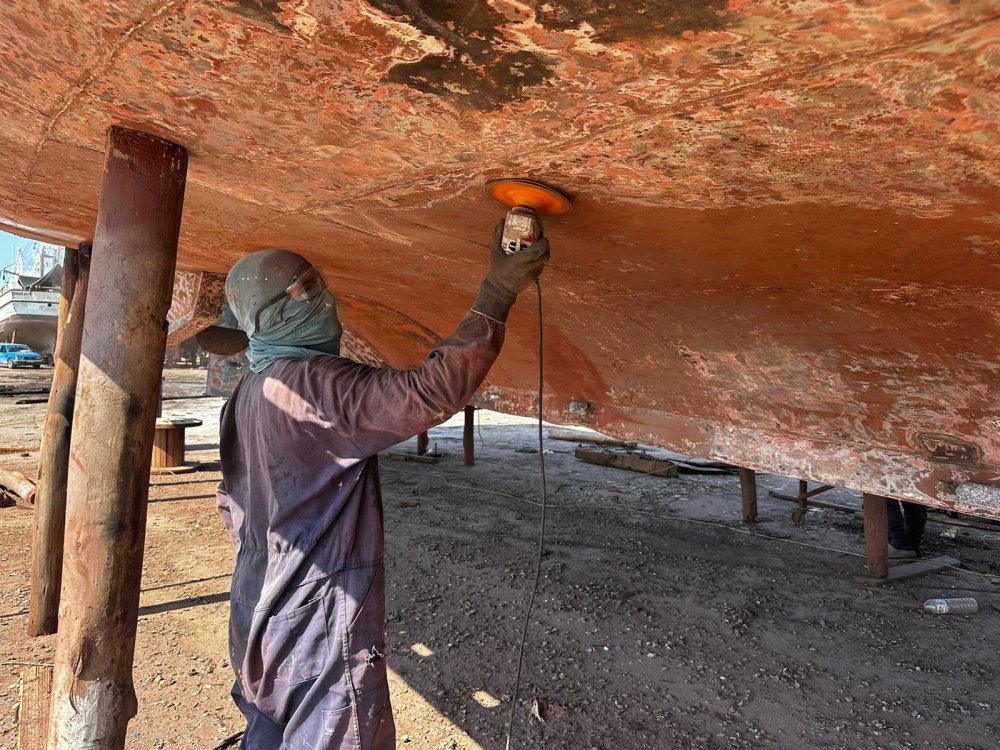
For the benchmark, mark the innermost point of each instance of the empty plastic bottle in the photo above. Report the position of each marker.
(964, 606)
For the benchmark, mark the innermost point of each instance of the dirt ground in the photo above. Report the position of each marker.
(662, 621)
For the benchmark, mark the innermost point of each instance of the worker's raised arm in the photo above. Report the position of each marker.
(374, 408)
(290, 317)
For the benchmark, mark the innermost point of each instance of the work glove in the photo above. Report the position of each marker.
(509, 275)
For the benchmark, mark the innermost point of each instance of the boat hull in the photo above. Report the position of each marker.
(31, 318)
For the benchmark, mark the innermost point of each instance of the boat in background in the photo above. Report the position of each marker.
(29, 298)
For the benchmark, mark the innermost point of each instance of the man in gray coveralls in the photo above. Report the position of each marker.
(300, 494)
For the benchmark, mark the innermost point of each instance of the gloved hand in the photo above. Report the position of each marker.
(509, 275)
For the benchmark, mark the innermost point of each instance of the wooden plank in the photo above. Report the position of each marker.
(642, 464)
(912, 569)
(412, 457)
(33, 715)
(590, 437)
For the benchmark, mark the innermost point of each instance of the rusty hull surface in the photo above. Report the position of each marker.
(785, 244)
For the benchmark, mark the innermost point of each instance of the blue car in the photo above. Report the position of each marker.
(19, 355)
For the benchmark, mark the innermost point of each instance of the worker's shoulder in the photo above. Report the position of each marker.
(319, 367)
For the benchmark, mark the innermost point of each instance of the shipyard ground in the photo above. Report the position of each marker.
(662, 621)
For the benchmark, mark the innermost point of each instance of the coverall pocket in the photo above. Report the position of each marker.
(339, 730)
(366, 635)
(294, 645)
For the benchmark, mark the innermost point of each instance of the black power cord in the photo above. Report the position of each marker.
(541, 529)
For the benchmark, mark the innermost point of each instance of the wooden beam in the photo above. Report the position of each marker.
(15, 483)
(642, 464)
(412, 458)
(574, 436)
(913, 569)
(748, 489)
(468, 436)
(53, 461)
(135, 252)
(876, 535)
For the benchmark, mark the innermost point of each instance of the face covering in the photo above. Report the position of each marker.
(289, 328)
(305, 329)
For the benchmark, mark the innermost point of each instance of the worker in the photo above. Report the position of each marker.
(906, 528)
(300, 494)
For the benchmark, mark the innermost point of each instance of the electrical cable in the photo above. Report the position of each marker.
(541, 527)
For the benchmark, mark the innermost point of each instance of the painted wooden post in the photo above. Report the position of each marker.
(53, 462)
(135, 249)
(468, 436)
(876, 535)
(748, 488)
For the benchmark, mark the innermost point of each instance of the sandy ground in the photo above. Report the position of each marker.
(662, 621)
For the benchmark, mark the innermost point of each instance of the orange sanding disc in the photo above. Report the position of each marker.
(543, 199)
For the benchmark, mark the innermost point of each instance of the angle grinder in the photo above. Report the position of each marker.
(527, 200)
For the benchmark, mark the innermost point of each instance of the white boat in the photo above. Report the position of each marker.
(29, 298)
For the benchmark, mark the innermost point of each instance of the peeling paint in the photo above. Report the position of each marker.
(978, 499)
(475, 69)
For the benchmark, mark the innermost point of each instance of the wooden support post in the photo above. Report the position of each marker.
(422, 441)
(135, 251)
(876, 535)
(53, 461)
(468, 436)
(748, 488)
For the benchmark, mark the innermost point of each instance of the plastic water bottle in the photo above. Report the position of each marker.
(965, 606)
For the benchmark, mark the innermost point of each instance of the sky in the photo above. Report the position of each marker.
(9, 243)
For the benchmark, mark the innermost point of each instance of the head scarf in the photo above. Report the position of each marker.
(289, 329)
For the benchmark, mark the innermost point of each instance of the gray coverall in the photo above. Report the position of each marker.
(300, 497)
